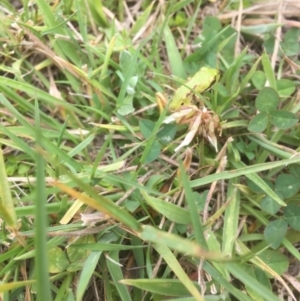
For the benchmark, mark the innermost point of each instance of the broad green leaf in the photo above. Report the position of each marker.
(125, 60)
(154, 152)
(126, 106)
(211, 26)
(285, 87)
(290, 44)
(200, 199)
(275, 232)
(146, 127)
(58, 260)
(292, 215)
(268, 44)
(295, 170)
(275, 260)
(287, 185)
(131, 206)
(23, 169)
(77, 256)
(283, 119)
(258, 123)
(152, 138)
(128, 74)
(131, 85)
(167, 133)
(258, 79)
(267, 100)
(268, 205)
(261, 276)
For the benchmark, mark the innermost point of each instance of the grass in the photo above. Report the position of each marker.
(95, 204)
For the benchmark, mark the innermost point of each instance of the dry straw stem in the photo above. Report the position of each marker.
(263, 12)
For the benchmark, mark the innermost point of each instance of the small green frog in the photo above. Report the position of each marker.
(199, 83)
(184, 110)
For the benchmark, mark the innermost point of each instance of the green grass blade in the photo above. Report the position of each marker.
(173, 263)
(63, 46)
(142, 19)
(5, 287)
(269, 71)
(167, 287)
(7, 207)
(129, 74)
(50, 147)
(100, 246)
(225, 283)
(81, 146)
(243, 171)
(44, 97)
(231, 218)
(41, 259)
(196, 222)
(246, 278)
(260, 183)
(169, 210)
(117, 275)
(64, 288)
(89, 268)
(176, 242)
(249, 75)
(108, 54)
(86, 273)
(100, 203)
(173, 54)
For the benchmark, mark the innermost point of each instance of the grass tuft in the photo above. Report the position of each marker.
(126, 173)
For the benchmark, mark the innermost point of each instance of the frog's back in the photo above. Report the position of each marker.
(203, 79)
